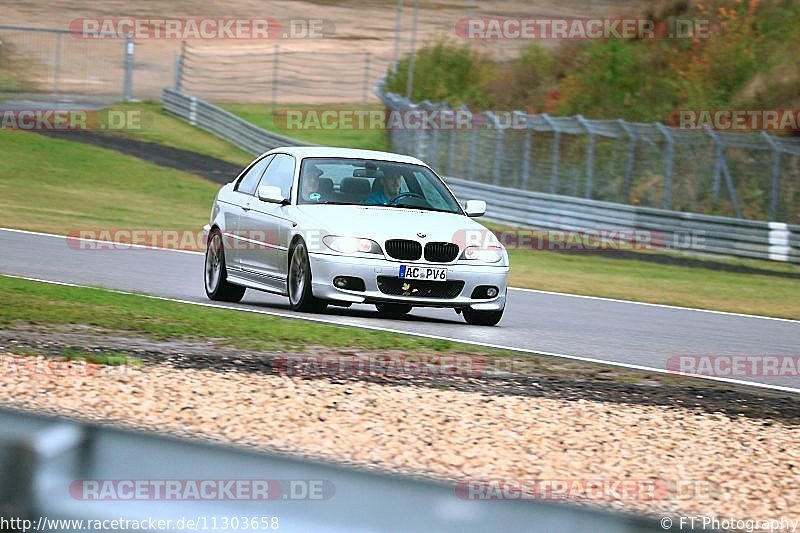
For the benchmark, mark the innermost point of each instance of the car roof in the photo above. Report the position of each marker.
(302, 152)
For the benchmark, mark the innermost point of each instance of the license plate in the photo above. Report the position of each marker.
(423, 273)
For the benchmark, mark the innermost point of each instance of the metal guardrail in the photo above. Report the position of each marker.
(687, 232)
(672, 230)
(224, 124)
(41, 458)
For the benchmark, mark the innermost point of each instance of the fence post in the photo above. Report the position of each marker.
(275, 56)
(404, 132)
(556, 153)
(499, 142)
(57, 66)
(413, 56)
(589, 156)
(666, 200)
(420, 136)
(127, 88)
(775, 175)
(630, 157)
(179, 59)
(473, 147)
(451, 150)
(718, 156)
(398, 26)
(731, 188)
(721, 166)
(366, 78)
(525, 171)
(433, 150)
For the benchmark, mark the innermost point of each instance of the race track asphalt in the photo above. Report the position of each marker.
(625, 333)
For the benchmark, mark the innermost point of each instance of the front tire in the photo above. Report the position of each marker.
(299, 282)
(216, 275)
(482, 318)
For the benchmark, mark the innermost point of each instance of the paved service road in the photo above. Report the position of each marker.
(613, 331)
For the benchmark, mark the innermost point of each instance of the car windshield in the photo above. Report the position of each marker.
(345, 181)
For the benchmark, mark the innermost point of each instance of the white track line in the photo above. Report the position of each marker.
(97, 241)
(331, 321)
(535, 291)
(648, 304)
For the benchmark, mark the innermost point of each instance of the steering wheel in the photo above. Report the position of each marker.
(404, 194)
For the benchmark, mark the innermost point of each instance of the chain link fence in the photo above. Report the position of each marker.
(266, 73)
(744, 175)
(60, 65)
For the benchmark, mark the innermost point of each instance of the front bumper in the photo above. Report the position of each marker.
(325, 267)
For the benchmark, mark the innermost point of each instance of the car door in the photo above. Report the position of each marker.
(269, 226)
(240, 200)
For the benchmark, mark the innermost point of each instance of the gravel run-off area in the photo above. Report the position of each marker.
(705, 460)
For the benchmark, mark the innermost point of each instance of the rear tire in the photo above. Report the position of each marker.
(298, 282)
(482, 318)
(216, 275)
(393, 309)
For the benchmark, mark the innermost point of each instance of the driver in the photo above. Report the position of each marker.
(388, 189)
(310, 188)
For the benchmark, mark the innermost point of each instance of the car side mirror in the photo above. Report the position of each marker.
(271, 194)
(475, 208)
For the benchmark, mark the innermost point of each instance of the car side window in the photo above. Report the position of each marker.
(249, 181)
(280, 174)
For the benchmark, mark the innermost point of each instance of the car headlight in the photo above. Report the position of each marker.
(491, 254)
(351, 245)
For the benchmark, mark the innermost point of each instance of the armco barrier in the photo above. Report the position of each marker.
(685, 232)
(41, 458)
(223, 124)
(678, 231)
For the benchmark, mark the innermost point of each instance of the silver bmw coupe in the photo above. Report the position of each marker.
(335, 226)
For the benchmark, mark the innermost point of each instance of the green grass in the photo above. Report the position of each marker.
(26, 302)
(261, 116)
(94, 358)
(644, 281)
(160, 127)
(58, 186)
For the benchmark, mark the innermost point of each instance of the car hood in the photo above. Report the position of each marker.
(382, 223)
